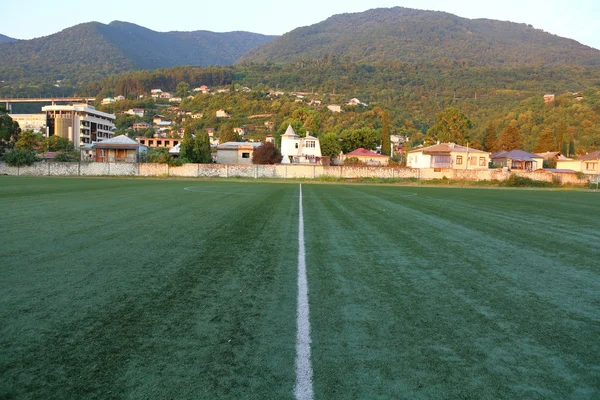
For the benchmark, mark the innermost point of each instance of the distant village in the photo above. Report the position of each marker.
(93, 132)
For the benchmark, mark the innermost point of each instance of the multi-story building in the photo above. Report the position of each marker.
(80, 123)
(30, 122)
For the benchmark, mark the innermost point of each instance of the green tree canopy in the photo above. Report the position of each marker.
(353, 139)
(330, 145)
(451, 126)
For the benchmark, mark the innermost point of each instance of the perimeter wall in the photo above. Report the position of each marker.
(274, 171)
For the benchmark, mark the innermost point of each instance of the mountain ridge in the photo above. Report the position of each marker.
(410, 35)
(93, 50)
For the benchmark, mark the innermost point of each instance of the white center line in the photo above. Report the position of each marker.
(304, 387)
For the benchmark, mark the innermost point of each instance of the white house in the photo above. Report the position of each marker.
(356, 102)
(334, 108)
(135, 111)
(297, 150)
(448, 155)
(222, 114)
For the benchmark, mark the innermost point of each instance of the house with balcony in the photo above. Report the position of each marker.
(448, 155)
(517, 159)
(80, 123)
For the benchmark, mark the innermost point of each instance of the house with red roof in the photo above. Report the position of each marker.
(368, 157)
(448, 155)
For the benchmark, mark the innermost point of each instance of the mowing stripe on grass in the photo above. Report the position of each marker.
(304, 389)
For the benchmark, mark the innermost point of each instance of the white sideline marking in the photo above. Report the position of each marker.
(304, 387)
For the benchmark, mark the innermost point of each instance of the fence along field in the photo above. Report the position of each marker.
(115, 288)
(275, 171)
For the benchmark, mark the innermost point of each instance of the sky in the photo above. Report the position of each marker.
(26, 19)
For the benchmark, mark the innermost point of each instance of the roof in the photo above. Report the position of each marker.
(553, 154)
(518, 155)
(235, 145)
(592, 156)
(175, 149)
(290, 132)
(362, 152)
(120, 141)
(447, 148)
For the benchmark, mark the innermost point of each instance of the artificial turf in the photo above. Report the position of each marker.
(117, 288)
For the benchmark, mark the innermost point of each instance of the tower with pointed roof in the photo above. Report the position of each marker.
(295, 149)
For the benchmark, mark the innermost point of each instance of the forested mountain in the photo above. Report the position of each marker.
(409, 35)
(90, 51)
(6, 39)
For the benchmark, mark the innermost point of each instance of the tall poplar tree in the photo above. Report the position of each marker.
(386, 144)
(490, 139)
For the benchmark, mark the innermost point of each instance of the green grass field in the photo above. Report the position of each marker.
(139, 289)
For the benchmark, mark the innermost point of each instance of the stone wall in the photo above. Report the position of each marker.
(275, 171)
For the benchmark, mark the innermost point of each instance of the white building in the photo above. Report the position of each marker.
(135, 111)
(295, 149)
(334, 108)
(80, 123)
(30, 122)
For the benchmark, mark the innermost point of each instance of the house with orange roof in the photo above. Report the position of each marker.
(588, 164)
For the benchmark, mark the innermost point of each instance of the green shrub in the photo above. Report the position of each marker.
(521, 181)
(66, 157)
(580, 175)
(20, 157)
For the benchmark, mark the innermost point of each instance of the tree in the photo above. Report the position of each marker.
(330, 145)
(182, 89)
(452, 126)
(266, 153)
(57, 143)
(386, 143)
(29, 140)
(571, 148)
(353, 139)
(545, 141)
(20, 157)
(9, 131)
(201, 152)
(226, 134)
(186, 149)
(509, 139)
(490, 139)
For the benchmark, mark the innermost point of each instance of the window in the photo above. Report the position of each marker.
(159, 142)
(482, 161)
(590, 166)
(245, 155)
(150, 142)
(142, 142)
(310, 143)
(458, 160)
(296, 145)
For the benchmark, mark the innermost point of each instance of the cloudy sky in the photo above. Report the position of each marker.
(26, 19)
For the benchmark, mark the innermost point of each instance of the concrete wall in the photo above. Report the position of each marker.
(274, 171)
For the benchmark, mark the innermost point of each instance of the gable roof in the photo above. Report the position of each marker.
(120, 141)
(362, 152)
(592, 156)
(553, 154)
(518, 155)
(447, 148)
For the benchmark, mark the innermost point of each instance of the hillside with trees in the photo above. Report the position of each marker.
(91, 51)
(481, 102)
(409, 35)
(6, 39)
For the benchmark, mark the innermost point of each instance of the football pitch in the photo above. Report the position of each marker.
(172, 289)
